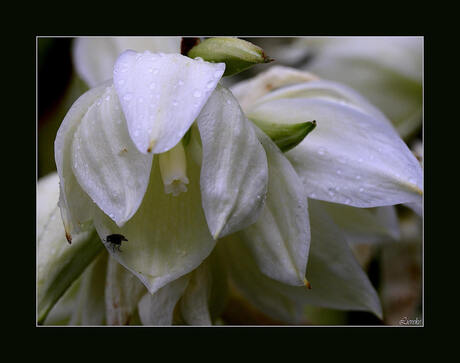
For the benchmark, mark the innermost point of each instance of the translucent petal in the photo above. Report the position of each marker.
(337, 280)
(123, 290)
(161, 95)
(158, 309)
(365, 225)
(234, 168)
(94, 57)
(167, 237)
(280, 239)
(206, 294)
(351, 157)
(105, 161)
(76, 207)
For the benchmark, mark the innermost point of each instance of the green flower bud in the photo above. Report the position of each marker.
(285, 136)
(237, 54)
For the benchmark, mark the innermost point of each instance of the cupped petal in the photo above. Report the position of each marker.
(234, 171)
(337, 280)
(280, 239)
(351, 157)
(158, 309)
(324, 89)
(94, 57)
(167, 237)
(123, 290)
(106, 162)
(58, 264)
(248, 91)
(206, 294)
(161, 95)
(75, 205)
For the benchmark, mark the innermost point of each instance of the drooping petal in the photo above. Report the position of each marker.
(158, 309)
(75, 205)
(234, 168)
(351, 157)
(364, 225)
(167, 237)
(206, 293)
(280, 239)
(123, 291)
(95, 57)
(337, 280)
(106, 162)
(248, 91)
(161, 95)
(58, 264)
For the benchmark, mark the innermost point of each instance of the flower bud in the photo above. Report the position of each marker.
(285, 136)
(237, 54)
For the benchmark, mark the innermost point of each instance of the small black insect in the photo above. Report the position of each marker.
(115, 240)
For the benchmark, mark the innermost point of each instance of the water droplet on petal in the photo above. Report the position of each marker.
(197, 93)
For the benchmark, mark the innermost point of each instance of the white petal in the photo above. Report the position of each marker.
(234, 171)
(58, 263)
(351, 157)
(387, 70)
(123, 290)
(158, 309)
(76, 207)
(95, 57)
(365, 225)
(206, 294)
(161, 95)
(167, 237)
(337, 280)
(248, 91)
(325, 90)
(280, 239)
(105, 161)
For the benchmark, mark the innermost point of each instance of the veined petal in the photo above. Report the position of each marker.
(364, 225)
(337, 280)
(234, 171)
(167, 237)
(95, 57)
(351, 158)
(158, 309)
(248, 91)
(106, 162)
(123, 290)
(327, 90)
(280, 239)
(76, 206)
(206, 293)
(161, 95)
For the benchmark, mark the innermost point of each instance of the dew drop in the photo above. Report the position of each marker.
(361, 190)
(197, 93)
(358, 177)
(339, 172)
(321, 151)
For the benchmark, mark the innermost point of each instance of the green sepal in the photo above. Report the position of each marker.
(285, 136)
(69, 265)
(237, 54)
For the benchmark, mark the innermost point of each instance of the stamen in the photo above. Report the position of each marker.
(173, 169)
